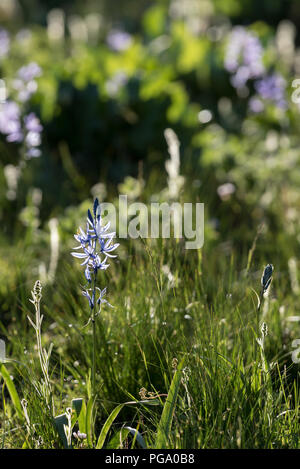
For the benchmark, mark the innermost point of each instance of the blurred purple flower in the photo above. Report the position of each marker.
(33, 153)
(15, 136)
(243, 57)
(10, 124)
(9, 111)
(234, 48)
(25, 84)
(29, 72)
(226, 190)
(256, 105)
(26, 90)
(253, 53)
(33, 138)
(32, 123)
(273, 88)
(241, 76)
(118, 40)
(4, 42)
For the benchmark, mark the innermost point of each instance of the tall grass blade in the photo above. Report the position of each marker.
(12, 391)
(107, 425)
(117, 440)
(82, 418)
(89, 422)
(164, 426)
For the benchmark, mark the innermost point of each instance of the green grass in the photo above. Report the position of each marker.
(224, 398)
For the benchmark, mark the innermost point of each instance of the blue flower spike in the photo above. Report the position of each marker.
(95, 246)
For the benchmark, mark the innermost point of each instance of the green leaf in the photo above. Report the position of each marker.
(12, 391)
(118, 438)
(60, 421)
(89, 422)
(76, 406)
(82, 418)
(79, 413)
(164, 426)
(107, 425)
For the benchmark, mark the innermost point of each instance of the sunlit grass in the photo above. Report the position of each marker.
(227, 397)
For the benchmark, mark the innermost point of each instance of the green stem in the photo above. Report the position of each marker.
(94, 356)
(94, 340)
(261, 296)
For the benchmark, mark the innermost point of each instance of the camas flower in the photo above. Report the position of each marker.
(267, 277)
(96, 244)
(91, 296)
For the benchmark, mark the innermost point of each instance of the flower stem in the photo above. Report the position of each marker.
(94, 338)
(94, 357)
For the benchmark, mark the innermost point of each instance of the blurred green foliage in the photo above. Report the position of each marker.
(104, 110)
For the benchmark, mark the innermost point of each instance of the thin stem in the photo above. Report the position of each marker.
(43, 359)
(94, 357)
(94, 336)
(261, 296)
(44, 387)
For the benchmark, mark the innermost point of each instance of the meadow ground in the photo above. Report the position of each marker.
(233, 391)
